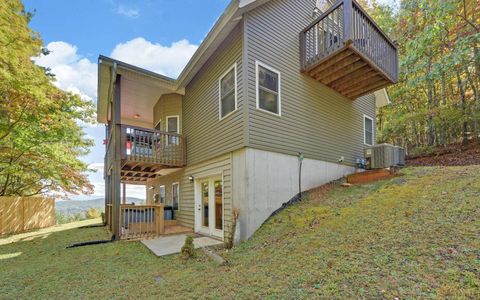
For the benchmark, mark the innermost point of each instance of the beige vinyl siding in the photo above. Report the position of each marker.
(207, 136)
(221, 165)
(314, 119)
(167, 105)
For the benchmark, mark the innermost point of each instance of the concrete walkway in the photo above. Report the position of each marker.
(166, 245)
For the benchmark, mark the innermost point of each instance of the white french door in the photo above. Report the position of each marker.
(209, 206)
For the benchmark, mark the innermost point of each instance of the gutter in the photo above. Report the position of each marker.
(135, 69)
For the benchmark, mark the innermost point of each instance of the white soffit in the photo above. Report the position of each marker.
(381, 98)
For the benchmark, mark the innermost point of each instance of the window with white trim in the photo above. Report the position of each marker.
(162, 194)
(175, 195)
(228, 92)
(268, 89)
(368, 130)
(173, 126)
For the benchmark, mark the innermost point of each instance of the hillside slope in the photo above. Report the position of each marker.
(414, 236)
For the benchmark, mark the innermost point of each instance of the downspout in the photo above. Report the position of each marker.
(300, 161)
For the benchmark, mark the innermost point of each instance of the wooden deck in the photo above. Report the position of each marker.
(347, 51)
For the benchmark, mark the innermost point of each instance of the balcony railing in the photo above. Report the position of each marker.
(345, 39)
(149, 146)
(153, 146)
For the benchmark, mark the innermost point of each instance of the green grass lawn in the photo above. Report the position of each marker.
(415, 236)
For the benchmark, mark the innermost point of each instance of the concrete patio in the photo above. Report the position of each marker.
(166, 245)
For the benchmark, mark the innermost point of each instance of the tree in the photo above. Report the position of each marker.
(40, 136)
(436, 101)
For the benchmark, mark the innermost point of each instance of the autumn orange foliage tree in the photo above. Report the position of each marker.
(40, 136)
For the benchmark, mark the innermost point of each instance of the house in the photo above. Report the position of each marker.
(272, 79)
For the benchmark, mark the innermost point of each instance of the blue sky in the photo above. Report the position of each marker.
(96, 26)
(160, 35)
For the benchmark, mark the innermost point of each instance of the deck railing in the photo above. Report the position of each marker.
(146, 145)
(141, 221)
(346, 23)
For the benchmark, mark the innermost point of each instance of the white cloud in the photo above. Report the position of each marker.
(166, 60)
(73, 72)
(128, 12)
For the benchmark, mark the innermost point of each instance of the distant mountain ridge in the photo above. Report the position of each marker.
(72, 207)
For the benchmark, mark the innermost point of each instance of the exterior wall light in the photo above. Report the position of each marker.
(191, 178)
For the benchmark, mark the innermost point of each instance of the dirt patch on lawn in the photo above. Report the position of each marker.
(452, 155)
(318, 194)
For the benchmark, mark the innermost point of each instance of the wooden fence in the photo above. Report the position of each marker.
(19, 214)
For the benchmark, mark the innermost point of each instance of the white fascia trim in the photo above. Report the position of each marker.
(244, 3)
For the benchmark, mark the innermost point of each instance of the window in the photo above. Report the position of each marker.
(228, 92)
(368, 130)
(162, 194)
(268, 89)
(175, 195)
(173, 127)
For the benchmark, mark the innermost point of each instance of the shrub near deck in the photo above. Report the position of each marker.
(412, 236)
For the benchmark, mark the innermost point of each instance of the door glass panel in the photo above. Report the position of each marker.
(205, 204)
(218, 204)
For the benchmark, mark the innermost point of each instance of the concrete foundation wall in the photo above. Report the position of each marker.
(264, 180)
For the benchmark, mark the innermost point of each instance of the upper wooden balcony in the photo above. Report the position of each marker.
(144, 152)
(346, 50)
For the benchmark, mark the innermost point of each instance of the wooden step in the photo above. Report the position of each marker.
(369, 176)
